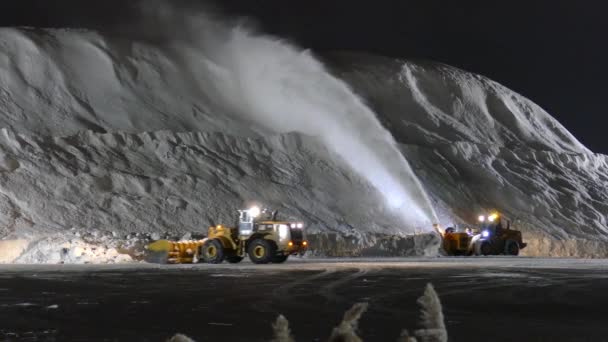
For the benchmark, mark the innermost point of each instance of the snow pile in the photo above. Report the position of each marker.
(60, 249)
(11, 250)
(76, 247)
(67, 81)
(139, 136)
(477, 146)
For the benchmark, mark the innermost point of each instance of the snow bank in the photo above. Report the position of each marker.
(134, 136)
(10, 250)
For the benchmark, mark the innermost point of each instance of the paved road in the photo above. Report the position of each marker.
(485, 299)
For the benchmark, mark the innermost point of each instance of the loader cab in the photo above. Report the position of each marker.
(249, 218)
(493, 225)
(246, 221)
(489, 225)
(497, 237)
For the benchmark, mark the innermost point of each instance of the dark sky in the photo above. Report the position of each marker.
(553, 52)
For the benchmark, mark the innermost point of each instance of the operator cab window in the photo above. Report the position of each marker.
(245, 218)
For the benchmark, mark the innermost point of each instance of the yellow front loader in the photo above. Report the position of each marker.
(259, 235)
(493, 237)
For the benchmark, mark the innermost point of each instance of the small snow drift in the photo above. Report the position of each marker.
(139, 136)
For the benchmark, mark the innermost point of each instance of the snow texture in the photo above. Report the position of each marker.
(432, 317)
(281, 330)
(346, 331)
(180, 338)
(134, 136)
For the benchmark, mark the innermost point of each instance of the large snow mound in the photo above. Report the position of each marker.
(478, 146)
(124, 136)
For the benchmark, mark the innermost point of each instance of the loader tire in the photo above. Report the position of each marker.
(212, 252)
(261, 251)
(512, 248)
(279, 259)
(485, 248)
(235, 259)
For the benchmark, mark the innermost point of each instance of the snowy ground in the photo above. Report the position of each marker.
(505, 298)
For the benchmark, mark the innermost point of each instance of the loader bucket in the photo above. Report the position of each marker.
(158, 252)
(172, 252)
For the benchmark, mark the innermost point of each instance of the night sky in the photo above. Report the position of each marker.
(553, 52)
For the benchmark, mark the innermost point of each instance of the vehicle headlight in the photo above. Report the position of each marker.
(492, 218)
(300, 225)
(485, 233)
(482, 218)
(293, 225)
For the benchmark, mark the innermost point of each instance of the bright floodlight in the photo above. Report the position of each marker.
(254, 211)
(300, 225)
(485, 233)
(482, 218)
(492, 218)
(293, 225)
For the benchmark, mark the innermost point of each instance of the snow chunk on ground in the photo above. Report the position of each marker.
(60, 249)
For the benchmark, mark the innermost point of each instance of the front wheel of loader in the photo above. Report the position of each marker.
(512, 248)
(486, 248)
(261, 251)
(279, 259)
(212, 252)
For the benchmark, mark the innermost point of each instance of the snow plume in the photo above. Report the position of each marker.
(281, 88)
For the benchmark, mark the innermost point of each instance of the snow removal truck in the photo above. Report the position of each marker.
(493, 237)
(258, 235)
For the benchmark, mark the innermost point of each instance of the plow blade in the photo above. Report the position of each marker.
(171, 252)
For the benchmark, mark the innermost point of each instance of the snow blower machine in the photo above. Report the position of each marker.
(258, 235)
(494, 236)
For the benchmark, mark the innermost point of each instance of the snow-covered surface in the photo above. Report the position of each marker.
(122, 136)
(498, 266)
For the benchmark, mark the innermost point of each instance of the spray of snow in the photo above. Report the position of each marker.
(284, 89)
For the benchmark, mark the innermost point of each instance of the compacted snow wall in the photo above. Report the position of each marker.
(107, 142)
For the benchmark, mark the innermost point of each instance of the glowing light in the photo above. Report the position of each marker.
(482, 218)
(254, 212)
(485, 233)
(293, 225)
(300, 225)
(492, 217)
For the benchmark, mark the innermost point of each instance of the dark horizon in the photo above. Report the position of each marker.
(551, 52)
